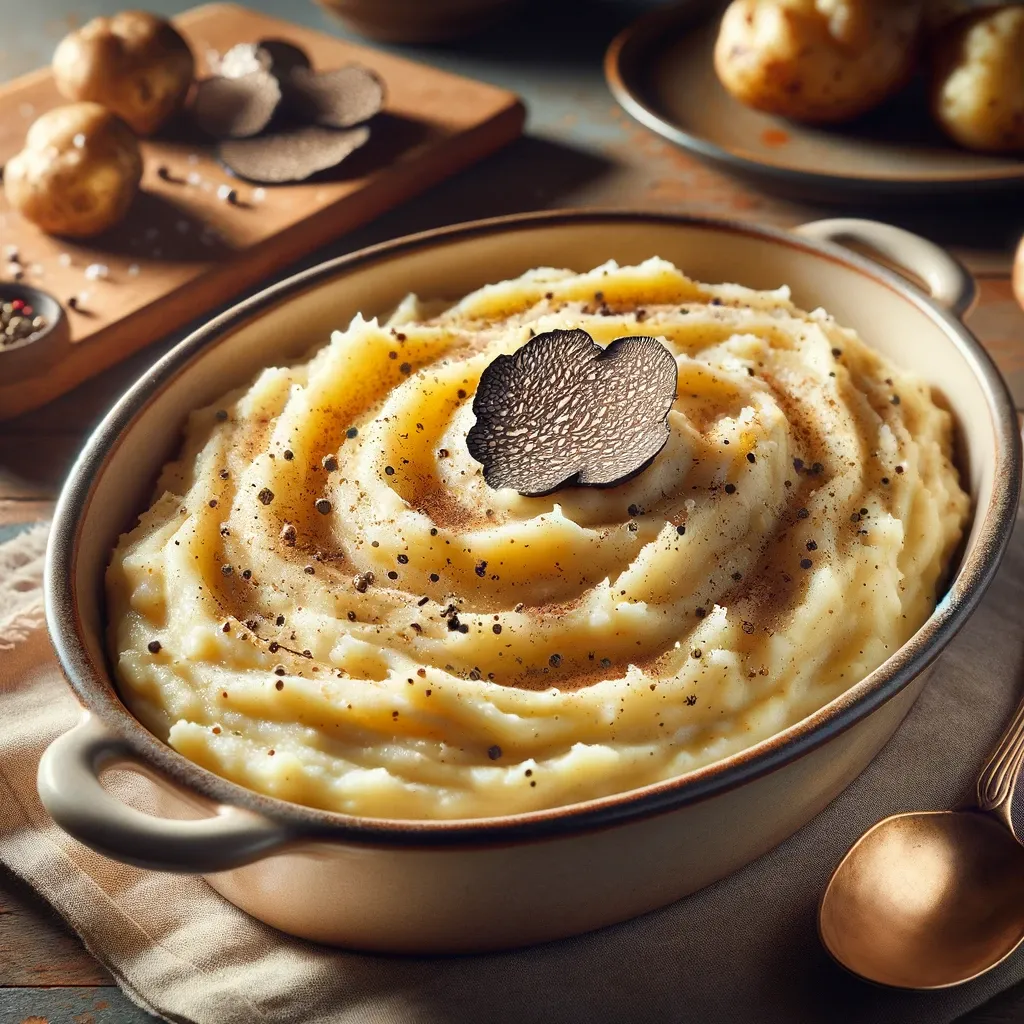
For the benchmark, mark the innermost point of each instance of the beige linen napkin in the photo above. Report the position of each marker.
(742, 950)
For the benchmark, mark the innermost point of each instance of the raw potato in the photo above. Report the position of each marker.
(78, 173)
(978, 81)
(134, 63)
(817, 60)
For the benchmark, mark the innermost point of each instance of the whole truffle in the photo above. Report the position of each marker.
(78, 173)
(134, 63)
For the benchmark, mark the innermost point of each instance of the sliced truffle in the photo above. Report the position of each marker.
(293, 155)
(341, 98)
(236, 108)
(562, 410)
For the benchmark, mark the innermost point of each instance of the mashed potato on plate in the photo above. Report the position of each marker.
(327, 603)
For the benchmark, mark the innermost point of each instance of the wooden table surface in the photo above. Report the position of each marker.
(579, 150)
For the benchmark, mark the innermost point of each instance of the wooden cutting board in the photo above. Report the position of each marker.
(181, 250)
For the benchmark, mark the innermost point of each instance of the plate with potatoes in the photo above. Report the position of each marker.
(832, 98)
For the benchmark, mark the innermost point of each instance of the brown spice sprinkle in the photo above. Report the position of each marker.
(265, 496)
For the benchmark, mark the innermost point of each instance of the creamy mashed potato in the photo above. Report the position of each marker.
(328, 604)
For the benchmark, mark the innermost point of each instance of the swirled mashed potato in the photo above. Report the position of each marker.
(328, 604)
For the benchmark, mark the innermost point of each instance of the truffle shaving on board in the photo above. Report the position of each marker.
(293, 155)
(236, 108)
(336, 99)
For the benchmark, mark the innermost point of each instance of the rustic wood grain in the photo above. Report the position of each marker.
(36, 947)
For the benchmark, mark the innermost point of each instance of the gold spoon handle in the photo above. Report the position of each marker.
(998, 778)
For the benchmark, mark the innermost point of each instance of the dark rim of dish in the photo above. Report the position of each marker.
(92, 683)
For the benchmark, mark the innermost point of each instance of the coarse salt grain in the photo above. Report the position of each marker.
(259, 194)
(194, 178)
(64, 259)
(78, 141)
(225, 192)
(11, 252)
(37, 269)
(133, 270)
(97, 272)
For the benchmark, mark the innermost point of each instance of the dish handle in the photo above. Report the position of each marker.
(947, 281)
(70, 789)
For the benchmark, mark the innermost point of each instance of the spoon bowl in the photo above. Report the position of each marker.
(926, 900)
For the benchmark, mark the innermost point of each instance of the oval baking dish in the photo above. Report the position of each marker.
(470, 885)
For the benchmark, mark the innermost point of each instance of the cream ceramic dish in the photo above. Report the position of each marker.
(500, 882)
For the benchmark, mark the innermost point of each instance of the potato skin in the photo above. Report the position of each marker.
(977, 87)
(134, 63)
(819, 61)
(78, 173)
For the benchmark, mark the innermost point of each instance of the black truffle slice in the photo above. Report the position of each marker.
(341, 98)
(236, 108)
(290, 155)
(562, 410)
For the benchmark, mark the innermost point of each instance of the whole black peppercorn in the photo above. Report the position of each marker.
(323, 506)
(153, 646)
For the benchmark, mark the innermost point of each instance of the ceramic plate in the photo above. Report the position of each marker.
(660, 69)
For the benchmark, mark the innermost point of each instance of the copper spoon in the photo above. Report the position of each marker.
(931, 899)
